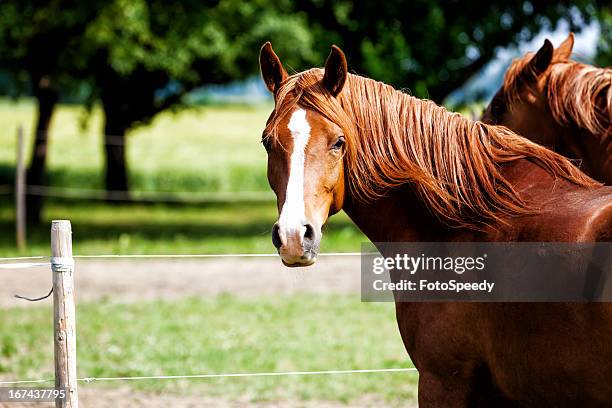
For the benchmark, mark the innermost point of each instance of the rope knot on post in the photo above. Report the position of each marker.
(62, 264)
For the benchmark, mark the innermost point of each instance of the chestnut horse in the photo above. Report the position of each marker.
(407, 170)
(561, 104)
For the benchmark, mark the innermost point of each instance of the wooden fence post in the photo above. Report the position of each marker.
(64, 317)
(20, 191)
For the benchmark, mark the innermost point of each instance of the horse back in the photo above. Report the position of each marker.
(563, 211)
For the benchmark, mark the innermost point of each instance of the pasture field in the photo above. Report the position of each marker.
(200, 149)
(204, 149)
(225, 334)
(99, 228)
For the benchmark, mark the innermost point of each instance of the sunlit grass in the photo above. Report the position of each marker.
(197, 149)
(100, 228)
(225, 335)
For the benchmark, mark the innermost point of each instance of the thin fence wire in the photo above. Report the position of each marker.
(207, 255)
(146, 196)
(220, 375)
(5, 264)
(100, 139)
(143, 196)
(23, 265)
(150, 196)
(23, 258)
(110, 140)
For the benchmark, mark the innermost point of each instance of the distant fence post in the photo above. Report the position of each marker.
(64, 316)
(20, 191)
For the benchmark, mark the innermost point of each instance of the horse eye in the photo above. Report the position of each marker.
(498, 109)
(339, 143)
(498, 106)
(267, 144)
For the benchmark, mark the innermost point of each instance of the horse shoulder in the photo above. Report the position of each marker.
(574, 214)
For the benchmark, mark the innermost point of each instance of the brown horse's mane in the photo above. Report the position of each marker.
(393, 139)
(577, 94)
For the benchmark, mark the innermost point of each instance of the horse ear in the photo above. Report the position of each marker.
(336, 71)
(542, 59)
(272, 70)
(564, 51)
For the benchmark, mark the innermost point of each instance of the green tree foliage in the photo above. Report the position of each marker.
(604, 47)
(143, 56)
(139, 57)
(432, 47)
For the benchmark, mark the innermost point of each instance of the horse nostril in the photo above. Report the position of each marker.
(276, 240)
(309, 234)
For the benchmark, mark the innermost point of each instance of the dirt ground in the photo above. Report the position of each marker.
(131, 280)
(126, 398)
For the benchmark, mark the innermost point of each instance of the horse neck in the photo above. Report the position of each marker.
(589, 148)
(396, 217)
(569, 104)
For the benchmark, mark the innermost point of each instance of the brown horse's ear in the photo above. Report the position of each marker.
(564, 51)
(272, 70)
(335, 71)
(540, 61)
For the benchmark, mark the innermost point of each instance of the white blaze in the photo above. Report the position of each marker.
(293, 218)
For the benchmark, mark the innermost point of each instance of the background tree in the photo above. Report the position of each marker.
(144, 56)
(433, 47)
(136, 57)
(36, 39)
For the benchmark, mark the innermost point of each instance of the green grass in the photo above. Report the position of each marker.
(225, 335)
(198, 149)
(99, 228)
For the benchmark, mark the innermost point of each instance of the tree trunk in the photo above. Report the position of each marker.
(116, 178)
(47, 98)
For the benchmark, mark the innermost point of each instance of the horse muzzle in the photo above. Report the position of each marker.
(297, 246)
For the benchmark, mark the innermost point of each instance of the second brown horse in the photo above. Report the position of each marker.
(561, 104)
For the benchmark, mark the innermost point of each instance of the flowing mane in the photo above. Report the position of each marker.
(392, 139)
(577, 94)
